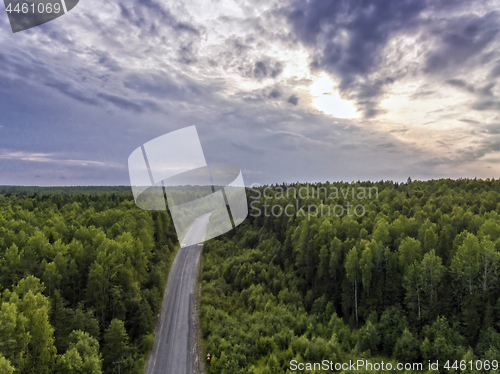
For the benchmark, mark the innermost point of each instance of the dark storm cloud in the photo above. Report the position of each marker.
(156, 85)
(347, 38)
(487, 105)
(487, 90)
(161, 86)
(155, 10)
(267, 69)
(260, 70)
(67, 89)
(241, 146)
(294, 100)
(461, 39)
(127, 104)
(83, 96)
(275, 93)
(466, 120)
(25, 66)
(187, 54)
(471, 154)
(368, 25)
(388, 146)
(276, 70)
(495, 72)
(493, 129)
(56, 34)
(106, 60)
(34, 70)
(460, 83)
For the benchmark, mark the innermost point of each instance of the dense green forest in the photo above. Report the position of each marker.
(21, 191)
(411, 277)
(82, 274)
(410, 273)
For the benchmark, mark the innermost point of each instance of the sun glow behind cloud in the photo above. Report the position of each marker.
(327, 100)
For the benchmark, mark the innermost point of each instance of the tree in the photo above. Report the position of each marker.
(14, 337)
(51, 277)
(5, 366)
(10, 266)
(116, 344)
(85, 321)
(489, 260)
(59, 321)
(41, 352)
(442, 342)
(422, 281)
(335, 262)
(406, 348)
(431, 272)
(465, 265)
(70, 362)
(392, 323)
(410, 250)
(352, 268)
(366, 264)
(412, 283)
(98, 291)
(82, 356)
(370, 337)
(430, 240)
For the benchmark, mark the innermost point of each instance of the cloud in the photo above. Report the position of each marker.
(461, 84)
(267, 69)
(67, 89)
(124, 103)
(493, 129)
(161, 86)
(187, 54)
(348, 36)
(237, 71)
(466, 120)
(352, 41)
(495, 72)
(51, 158)
(487, 105)
(293, 99)
(106, 60)
(460, 39)
(487, 90)
(275, 93)
(155, 11)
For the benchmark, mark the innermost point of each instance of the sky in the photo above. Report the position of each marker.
(287, 90)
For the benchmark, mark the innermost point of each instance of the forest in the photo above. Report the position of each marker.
(412, 279)
(413, 276)
(82, 274)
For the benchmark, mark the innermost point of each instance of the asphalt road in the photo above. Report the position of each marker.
(174, 347)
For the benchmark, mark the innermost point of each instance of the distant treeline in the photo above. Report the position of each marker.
(82, 277)
(415, 278)
(21, 191)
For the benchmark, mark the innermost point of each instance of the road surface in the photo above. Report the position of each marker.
(174, 350)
